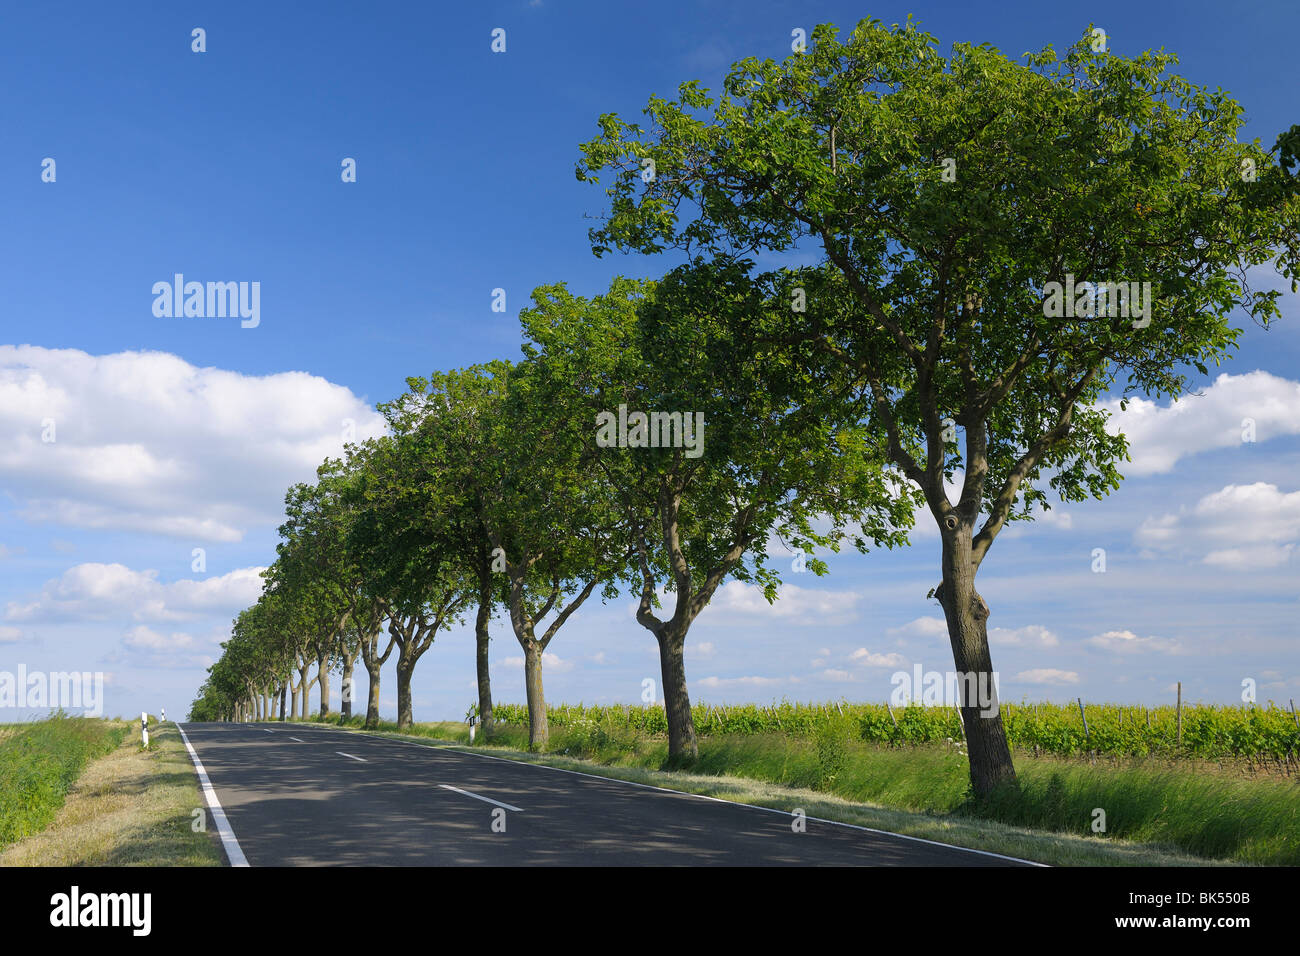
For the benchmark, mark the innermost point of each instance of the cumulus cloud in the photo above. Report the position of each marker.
(1031, 635)
(1048, 675)
(867, 658)
(753, 681)
(1128, 642)
(1239, 527)
(146, 441)
(550, 662)
(795, 604)
(99, 591)
(1160, 434)
(922, 627)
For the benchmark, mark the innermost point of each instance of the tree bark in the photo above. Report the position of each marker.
(306, 689)
(323, 679)
(372, 697)
(677, 699)
(538, 732)
(481, 639)
(967, 617)
(405, 667)
(345, 700)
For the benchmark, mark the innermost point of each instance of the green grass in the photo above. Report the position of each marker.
(1155, 811)
(40, 763)
(1268, 734)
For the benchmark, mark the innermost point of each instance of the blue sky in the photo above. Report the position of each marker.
(174, 434)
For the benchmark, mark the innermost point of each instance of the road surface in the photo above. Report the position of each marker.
(305, 795)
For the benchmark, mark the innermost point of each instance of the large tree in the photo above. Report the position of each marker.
(406, 547)
(979, 215)
(726, 444)
(518, 494)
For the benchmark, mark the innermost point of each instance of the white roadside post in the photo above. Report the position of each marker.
(162, 715)
(471, 728)
(144, 728)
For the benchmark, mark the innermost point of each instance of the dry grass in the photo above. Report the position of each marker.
(130, 808)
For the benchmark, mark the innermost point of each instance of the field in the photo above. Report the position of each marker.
(1268, 735)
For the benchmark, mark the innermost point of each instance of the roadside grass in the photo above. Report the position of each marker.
(1155, 814)
(131, 807)
(39, 763)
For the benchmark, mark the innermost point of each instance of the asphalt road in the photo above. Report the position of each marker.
(302, 795)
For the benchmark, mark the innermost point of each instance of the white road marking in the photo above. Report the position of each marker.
(342, 754)
(476, 796)
(299, 741)
(233, 852)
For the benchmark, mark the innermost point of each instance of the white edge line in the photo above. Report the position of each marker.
(479, 796)
(342, 754)
(685, 793)
(233, 852)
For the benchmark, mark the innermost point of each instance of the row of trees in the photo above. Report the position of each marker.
(944, 198)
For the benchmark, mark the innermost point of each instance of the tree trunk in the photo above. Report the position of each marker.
(306, 690)
(538, 732)
(345, 701)
(323, 679)
(481, 639)
(967, 617)
(372, 698)
(677, 699)
(405, 668)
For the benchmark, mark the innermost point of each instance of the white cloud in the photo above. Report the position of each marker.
(98, 591)
(1160, 434)
(1128, 642)
(723, 682)
(832, 673)
(922, 627)
(146, 441)
(868, 658)
(1239, 527)
(10, 635)
(1031, 635)
(550, 663)
(795, 604)
(1048, 675)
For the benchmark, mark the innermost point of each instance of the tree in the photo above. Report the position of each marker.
(451, 415)
(986, 222)
(726, 444)
(550, 525)
(405, 546)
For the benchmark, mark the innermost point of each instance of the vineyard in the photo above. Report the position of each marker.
(1208, 731)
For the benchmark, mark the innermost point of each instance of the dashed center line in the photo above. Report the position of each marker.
(342, 754)
(299, 739)
(476, 796)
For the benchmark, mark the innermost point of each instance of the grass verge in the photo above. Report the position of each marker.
(130, 807)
